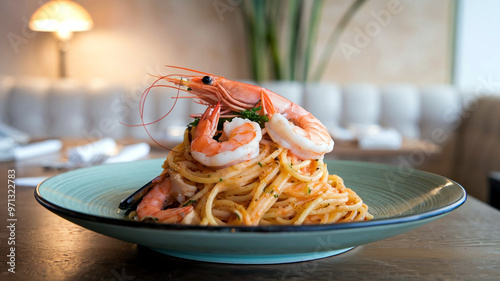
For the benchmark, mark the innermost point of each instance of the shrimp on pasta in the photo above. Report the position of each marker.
(235, 96)
(239, 141)
(252, 158)
(151, 206)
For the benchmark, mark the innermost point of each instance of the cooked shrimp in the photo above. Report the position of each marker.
(298, 130)
(291, 125)
(239, 141)
(151, 206)
(180, 189)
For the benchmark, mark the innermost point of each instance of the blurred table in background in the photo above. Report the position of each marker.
(34, 165)
(409, 148)
(342, 150)
(463, 245)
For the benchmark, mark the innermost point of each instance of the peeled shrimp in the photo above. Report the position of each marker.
(239, 141)
(298, 130)
(290, 125)
(180, 189)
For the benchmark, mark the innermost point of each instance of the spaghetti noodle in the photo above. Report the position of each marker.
(274, 188)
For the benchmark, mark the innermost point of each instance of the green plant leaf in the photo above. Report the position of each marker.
(334, 38)
(314, 21)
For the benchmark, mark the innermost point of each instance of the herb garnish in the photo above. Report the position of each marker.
(194, 123)
(252, 115)
(189, 202)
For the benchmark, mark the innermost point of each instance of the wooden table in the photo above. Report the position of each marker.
(463, 245)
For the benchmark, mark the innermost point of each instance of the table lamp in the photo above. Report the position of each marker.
(62, 17)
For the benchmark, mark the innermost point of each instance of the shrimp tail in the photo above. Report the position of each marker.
(239, 140)
(208, 122)
(153, 204)
(267, 105)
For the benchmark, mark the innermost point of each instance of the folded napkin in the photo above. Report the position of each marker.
(130, 153)
(16, 135)
(29, 181)
(383, 138)
(23, 152)
(86, 153)
(7, 143)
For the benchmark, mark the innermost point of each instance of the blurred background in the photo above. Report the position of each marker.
(128, 39)
(407, 83)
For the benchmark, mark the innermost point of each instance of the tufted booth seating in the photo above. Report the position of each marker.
(95, 109)
(478, 146)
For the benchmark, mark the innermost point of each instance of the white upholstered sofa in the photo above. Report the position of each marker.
(465, 125)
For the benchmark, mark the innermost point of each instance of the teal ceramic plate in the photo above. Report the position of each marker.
(400, 200)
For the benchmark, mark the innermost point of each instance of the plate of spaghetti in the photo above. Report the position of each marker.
(249, 183)
(89, 197)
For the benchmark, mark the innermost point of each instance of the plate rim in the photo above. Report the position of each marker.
(63, 211)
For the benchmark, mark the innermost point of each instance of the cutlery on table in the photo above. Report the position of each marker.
(32, 150)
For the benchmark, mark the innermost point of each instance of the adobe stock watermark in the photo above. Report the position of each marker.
(221, 7)
(22, 37)
(121, 275)
(11, 220)
(121, 108)
(363, 37)
(487, 86)
(304, 270)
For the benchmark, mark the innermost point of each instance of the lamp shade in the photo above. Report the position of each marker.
(61, 16)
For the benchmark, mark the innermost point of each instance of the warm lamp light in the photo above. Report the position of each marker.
(62, 17)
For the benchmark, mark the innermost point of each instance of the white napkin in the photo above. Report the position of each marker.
(29, 181)
(13, 133)
(130, 153)
(84, 153)
(37, 149)
(384, 138)
(19, 153)
(7, 143)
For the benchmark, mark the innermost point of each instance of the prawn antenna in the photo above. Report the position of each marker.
(142, 104)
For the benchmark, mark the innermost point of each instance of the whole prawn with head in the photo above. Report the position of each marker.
(289, 125)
